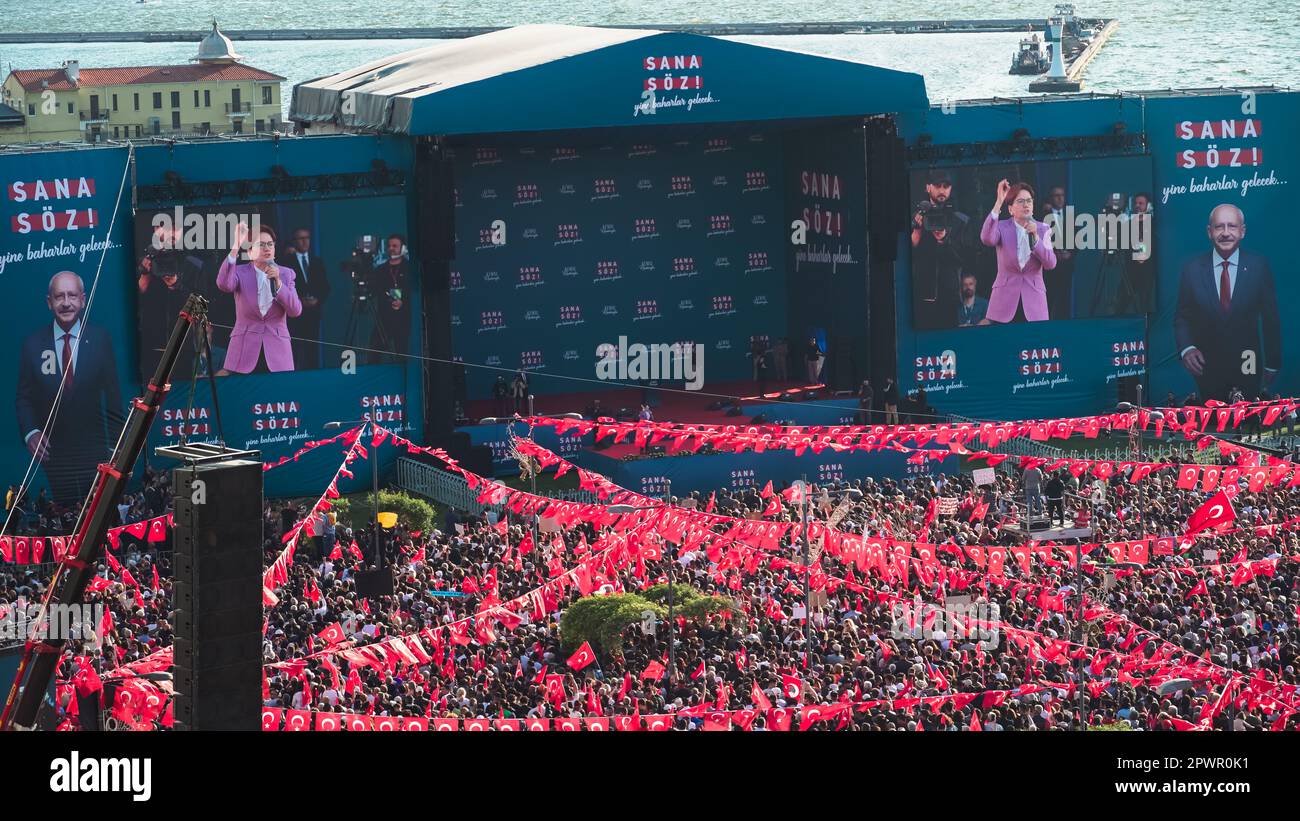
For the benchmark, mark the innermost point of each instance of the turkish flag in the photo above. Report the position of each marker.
(1187, 476)
(1214, 514)
(297, 721)
(157, 530)
(1164, 546)
(698, 671)
(567, 725)
(744, 718)
(781, 719)
(975, 726)
(658, 724)
(332, 635)
(415, 724)
(811, 715)
(717, 721)
(791, 686)
(1139, 551)
(477, 725)
(627, 723)
(597, 725)
(446, 725)
(387, 724)
(271, 718)
(328, 722)
(767, 490)
(760, 699)
(358, 724)
(583, 658)
(538, 725)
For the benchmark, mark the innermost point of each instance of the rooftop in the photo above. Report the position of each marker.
(56, 79)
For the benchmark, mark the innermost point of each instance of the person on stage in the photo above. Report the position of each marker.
(1024, 252)
(1227, 324)
(264, 300)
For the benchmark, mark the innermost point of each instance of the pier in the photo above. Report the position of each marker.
(1074, 71)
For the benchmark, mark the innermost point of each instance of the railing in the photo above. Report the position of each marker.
(94, 116)
(240, 108)
(451, 489)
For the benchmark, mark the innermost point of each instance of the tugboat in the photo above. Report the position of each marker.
(1074, 35)
(1032, 58)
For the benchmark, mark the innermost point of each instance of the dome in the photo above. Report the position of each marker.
(216, 47)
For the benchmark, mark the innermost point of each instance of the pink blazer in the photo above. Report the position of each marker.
(253, 332)
(1014, 283)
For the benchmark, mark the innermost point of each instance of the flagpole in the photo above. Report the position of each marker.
(672, 597)
(807, 574)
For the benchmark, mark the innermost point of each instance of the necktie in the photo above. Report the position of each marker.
(302, 264)
(67, 361)
(1225, 289)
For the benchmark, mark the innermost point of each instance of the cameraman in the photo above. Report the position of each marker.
(1112, 234)
(937, 206)
(936, 280)
(1138, 288)
(388, 286)
(167, 276)
(940, 239)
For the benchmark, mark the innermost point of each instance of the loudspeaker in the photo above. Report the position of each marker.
(435, 208)
(371, 584)
(217, 595)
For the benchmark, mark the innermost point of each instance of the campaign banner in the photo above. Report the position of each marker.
(736, 471)
(65, 235)
(1224, 165)
(278, 414)
(1023, 371)
(564, 248)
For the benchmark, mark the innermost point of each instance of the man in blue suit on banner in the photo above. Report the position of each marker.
(1226, 302)
(79, 357)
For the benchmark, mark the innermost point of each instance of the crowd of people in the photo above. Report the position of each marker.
(1186, 615)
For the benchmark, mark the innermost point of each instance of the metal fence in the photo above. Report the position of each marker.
(452, 490)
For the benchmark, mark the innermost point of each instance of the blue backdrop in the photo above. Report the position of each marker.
(663, 240)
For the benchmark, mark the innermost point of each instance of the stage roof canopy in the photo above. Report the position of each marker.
(549, 77)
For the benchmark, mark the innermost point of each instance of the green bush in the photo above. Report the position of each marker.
(1119, 726)
(689, 603)
(413, 513)
(602, 620)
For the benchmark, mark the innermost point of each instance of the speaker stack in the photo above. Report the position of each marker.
(217, 589)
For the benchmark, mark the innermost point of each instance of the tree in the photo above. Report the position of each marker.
(602, 620)
(690, 604)
(413, 514)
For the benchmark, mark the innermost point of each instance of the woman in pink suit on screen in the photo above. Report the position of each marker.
(264, 299)
(1024, 250)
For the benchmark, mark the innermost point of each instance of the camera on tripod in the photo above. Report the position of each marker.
(358, 266)
(938, 216)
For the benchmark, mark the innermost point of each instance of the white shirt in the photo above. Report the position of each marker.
(1022, 244)
(58, 343)
(264, 295)
(1218, 274)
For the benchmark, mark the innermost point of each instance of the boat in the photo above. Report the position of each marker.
(1033, 56)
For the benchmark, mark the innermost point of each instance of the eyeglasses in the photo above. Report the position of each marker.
(264, 245)
(1024, 201)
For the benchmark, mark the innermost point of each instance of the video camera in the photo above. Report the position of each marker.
(164, 262)
(936, 216)
(359, 264)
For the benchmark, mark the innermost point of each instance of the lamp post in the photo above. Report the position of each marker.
(532, 469)
(365, 424)
(805, 493)
(672, 596)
